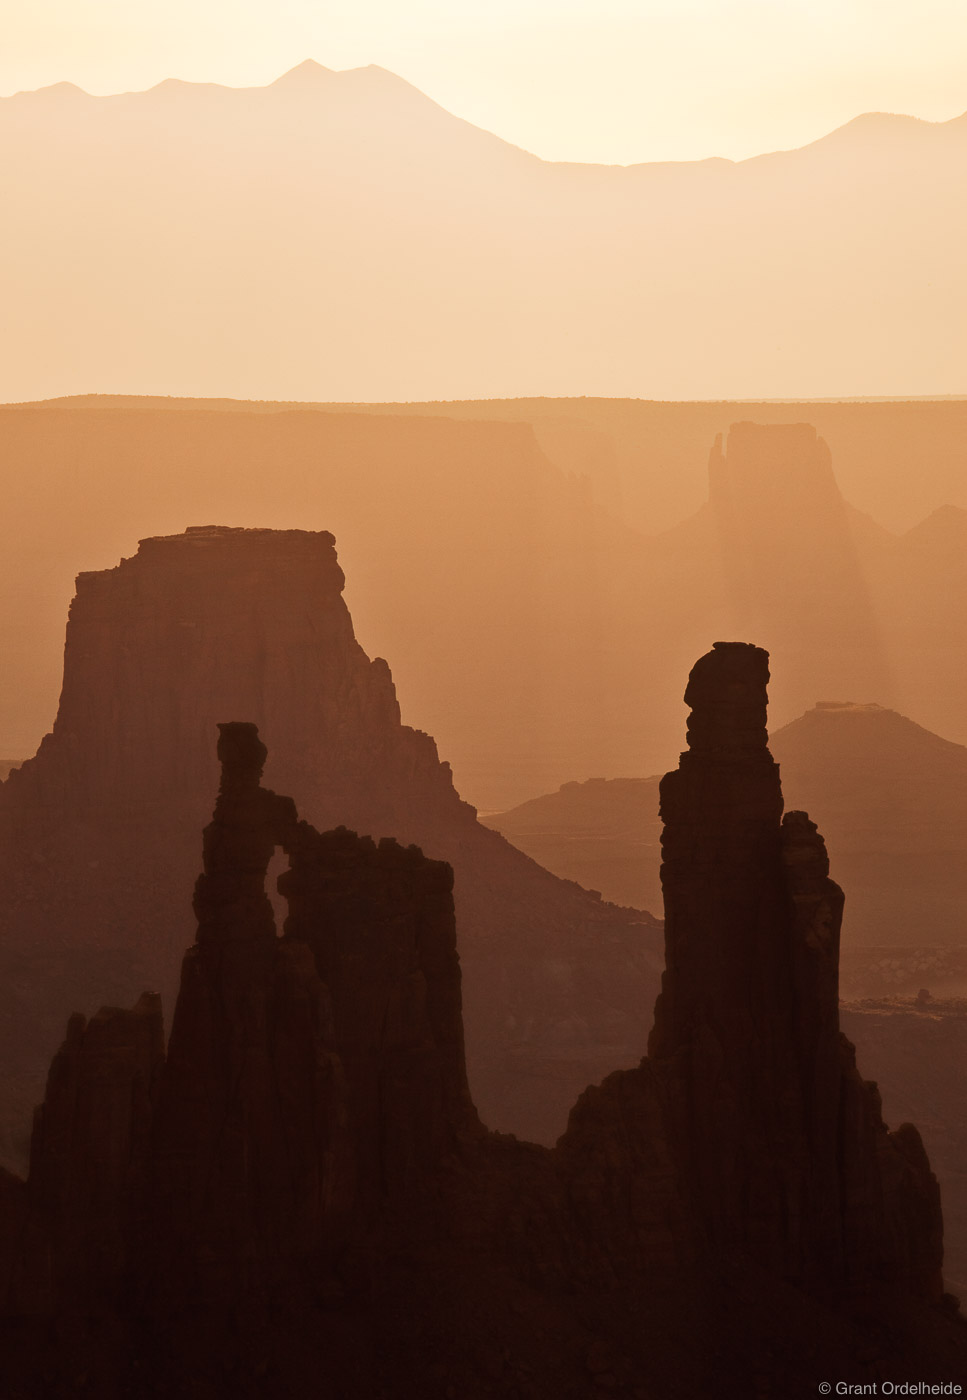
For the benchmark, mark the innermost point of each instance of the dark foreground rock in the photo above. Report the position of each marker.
(299, 1200)
(98, 832)
(916, 1046)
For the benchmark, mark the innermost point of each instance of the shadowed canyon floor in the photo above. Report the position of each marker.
(299, 1195)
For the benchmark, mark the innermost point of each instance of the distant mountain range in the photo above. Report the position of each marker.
(338, 235)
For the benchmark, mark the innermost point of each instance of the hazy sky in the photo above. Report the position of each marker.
(603, 80)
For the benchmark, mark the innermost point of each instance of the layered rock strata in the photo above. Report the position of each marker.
(303, 1196)
(524, 625)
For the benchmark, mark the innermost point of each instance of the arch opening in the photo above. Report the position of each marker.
(277, 866)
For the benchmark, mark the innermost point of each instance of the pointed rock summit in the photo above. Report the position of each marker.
(306, 72)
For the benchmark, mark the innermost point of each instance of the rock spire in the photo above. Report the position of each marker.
(779, 1140)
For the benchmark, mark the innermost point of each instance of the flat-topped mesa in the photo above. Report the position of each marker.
(784, 533)
(98, 832)
(248, 621)
(775, 461)
(779, 1142)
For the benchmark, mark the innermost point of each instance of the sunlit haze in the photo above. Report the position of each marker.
(483, 741)
(588, 80)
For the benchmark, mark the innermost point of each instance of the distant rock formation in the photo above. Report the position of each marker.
(604, 833)
(890, 797)
(530, 629)
(302, 1188)
(97, 851)
(650, 462)
(790, 564)
(424, 511)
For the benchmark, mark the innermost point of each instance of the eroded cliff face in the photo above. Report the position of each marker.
(97, 831)
(302, 1190)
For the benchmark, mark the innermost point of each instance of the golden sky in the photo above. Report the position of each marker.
(598, 80)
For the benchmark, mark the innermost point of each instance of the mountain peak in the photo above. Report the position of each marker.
(54, 90)
(307, 71)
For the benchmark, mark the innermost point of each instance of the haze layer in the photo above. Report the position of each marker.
(529, 630)
(339, 235)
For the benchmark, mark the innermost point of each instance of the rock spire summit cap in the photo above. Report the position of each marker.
(728, 694)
